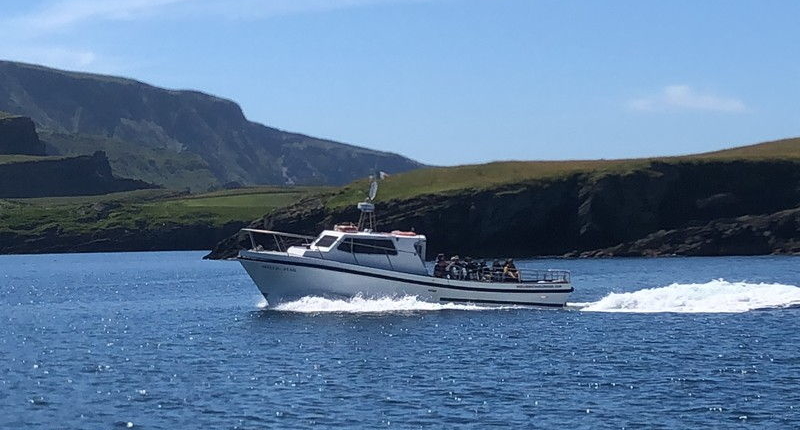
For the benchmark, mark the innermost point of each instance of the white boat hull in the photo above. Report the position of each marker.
(283, 278)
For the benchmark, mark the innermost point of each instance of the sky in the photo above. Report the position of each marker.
(452, 81)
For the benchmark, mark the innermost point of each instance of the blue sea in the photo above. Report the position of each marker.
(168, 341)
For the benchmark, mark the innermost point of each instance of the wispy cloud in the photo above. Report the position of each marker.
(29, 36)
(62, 14)
(66, 13)
(34, 36)
(684, 97)
(54, 56)
(256, 9)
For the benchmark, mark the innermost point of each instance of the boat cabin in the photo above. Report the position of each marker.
(398, 251)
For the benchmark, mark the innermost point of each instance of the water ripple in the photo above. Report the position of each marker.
(168, 341)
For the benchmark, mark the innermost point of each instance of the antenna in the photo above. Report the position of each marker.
(373, 189)
(366, 221)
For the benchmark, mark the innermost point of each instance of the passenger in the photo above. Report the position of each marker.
(440, 268)
(472, 268)
(483, 272)
(497, 271)
(510, 272)
(456, 269)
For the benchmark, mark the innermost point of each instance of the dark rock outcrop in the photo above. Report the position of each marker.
(777, 233)
(18, 136)
(581, 212)
(83, 175)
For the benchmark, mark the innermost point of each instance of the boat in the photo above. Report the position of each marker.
(352, 260)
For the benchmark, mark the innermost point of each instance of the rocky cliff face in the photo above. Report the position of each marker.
(581, 212)
(18, 136)
(777, 233)
(84, 175)
(211, 128)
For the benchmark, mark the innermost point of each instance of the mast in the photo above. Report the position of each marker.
(366, 221)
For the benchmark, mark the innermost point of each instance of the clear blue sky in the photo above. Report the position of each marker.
(452, 81)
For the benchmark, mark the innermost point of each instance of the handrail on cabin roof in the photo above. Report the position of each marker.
(279, 233)
(300, 236)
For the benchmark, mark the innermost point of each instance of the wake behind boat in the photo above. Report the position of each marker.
(354, 260)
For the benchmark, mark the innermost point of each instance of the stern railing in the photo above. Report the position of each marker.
(545, 275)
(524, 276)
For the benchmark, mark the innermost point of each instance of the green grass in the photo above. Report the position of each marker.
(7, 159)
(136, 196)
(440, 180)
(222, 207)
(166, 167)
(145, 209)
(777, 149)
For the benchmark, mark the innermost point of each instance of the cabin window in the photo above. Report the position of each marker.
(325, 241)
(368, 246)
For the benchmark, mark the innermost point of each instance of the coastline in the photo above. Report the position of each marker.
(709, 208)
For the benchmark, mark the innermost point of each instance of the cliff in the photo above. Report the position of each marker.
(207, 139)
(173, 236)
(18, 136)
(573, 212)
(777, 233)
(83, 175)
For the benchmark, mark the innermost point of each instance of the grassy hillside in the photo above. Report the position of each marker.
(482, 176)
(781, 149)
(143, 209)
(162, 166)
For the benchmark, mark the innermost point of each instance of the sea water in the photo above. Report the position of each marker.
(166, 341)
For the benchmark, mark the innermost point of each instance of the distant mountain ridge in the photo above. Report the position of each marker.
(207, 139)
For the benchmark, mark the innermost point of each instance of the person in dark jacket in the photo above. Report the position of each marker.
(483, 272)
(472, 268)
(497, 271)
(510, 272)
(440, 268)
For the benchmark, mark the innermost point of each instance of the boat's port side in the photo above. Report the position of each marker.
(282, 277)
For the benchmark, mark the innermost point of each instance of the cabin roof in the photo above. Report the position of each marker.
(375, 234)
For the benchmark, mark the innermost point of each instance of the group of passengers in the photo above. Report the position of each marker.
(471, 270)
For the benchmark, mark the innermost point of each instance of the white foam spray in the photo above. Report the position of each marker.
(717, 296)
(358, 304)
